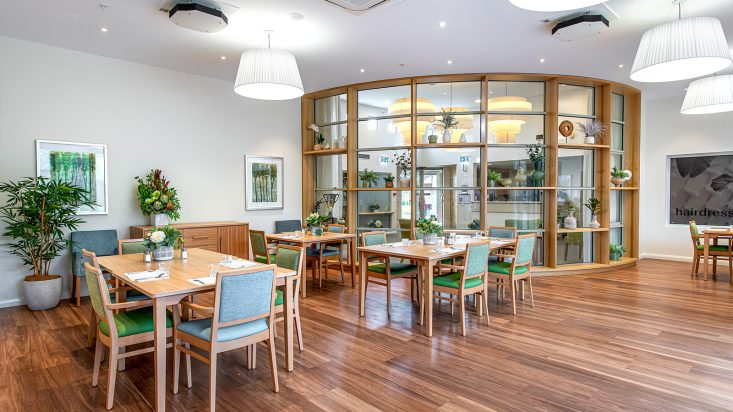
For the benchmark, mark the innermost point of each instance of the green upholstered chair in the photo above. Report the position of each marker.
(464, 280)
(404, 227)
(129, 246)
(290, 257)
(260, 251)
(131, 325)
(715, 252)
(242, 316)
(516, 268)
(327, 253)
(101, 242)
(382, 271)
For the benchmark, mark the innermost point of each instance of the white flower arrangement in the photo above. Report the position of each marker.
(314, 128)
(157, 236)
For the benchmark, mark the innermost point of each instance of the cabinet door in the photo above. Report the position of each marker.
(233, 240)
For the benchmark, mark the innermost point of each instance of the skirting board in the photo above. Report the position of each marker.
(675, 258)
(9, 303)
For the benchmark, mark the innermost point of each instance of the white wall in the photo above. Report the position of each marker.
(193, 128)
(667, 132)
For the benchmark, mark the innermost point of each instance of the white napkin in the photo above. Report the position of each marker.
(147, 275)
(447, 249)
(205, 281)
(238, 264)
(292, 236)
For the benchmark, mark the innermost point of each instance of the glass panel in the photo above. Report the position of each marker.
(570, 203)
(617, 136)
(468, 129)
(617, 207)
(516, 166)
(386, 101)
(374, 166)
(576, 136)
(333, 203)
(617, 108)
(575, 167)
(617, 236)
(330, 109)
(528, 96)
(455, 209)
(575, 248)
(330, 172)
(578, 100)
(449, 167)
(384, 133)
(458, 97)
(523, 209)
(384, 210)
(333, 135)
(617, 161)
(516, 129)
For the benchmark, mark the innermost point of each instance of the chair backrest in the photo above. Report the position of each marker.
(336, 228)
(525, 249)
(99, 295)
(476, 259)
(502, 232)
(373, 238)
(91, 257)
(694, 233)
(289, 257)
(524, 224)
(282, 226)
(128, 246)
(258, 240)
(101, 242)
(243, 295)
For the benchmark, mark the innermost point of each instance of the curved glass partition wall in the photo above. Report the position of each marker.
(504, 160)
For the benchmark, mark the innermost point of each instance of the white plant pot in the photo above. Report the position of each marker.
(163, 253)
(430, 238)
(594, 223)
(446, 136)
(405, 181)
(160, 219)
(43, 294)
(570, 222)
(590, 140)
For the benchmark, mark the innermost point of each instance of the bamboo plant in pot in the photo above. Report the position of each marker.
(38, 212)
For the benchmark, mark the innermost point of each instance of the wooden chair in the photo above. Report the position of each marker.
(290, 257)
(242, 316)
(101, 242)
(464, 280)
(381, 271)
(260, 250)
(128, 246)
(502, 232)
(715, 252)
(327, 253)
(508, 273)
(118, 330)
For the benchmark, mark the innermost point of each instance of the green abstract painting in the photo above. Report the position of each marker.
(77, 168)
(264, 182)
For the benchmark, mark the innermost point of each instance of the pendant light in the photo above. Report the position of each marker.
(681, 49)
(709, 95)
(554, 5)
(268, 74)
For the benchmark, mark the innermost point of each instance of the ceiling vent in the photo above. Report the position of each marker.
(357, 6)
(206, 18)
(580, 27)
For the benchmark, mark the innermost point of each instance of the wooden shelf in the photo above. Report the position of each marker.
(624, 188)
(378, 189)
(622, 261)
(388, 212)
(450, 145)
(582, 230)
(325, 152)
(522, 188)
(582, 146)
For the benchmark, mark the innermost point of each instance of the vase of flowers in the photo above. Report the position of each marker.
(161, 241)
(317, 136)
(619, 177)
(447, 121)
(430, 229)
(592, 129)
(315, 223)
(157, 198)
(594, 205)
(404, 165)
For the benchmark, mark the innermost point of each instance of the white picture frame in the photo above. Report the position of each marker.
(262, 190)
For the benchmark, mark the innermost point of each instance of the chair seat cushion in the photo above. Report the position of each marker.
(201, 328)
(713, 248)
(134, 322)
(453, 280)
(395, 268)
(263, 259)
(326, 252)
(505, 268)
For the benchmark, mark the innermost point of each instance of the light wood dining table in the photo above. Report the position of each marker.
(304, 240)
(170, 291)
(426, 257)
(709, 234)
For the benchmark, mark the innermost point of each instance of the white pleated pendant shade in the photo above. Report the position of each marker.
(268, 74)
(709, 95)
(681, 49)
(554, 5)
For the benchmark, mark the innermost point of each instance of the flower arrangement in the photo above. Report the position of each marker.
(475, 224)
(619, 177)
(447, 119)
(315, 219)
(156, 196)
(428, 226)
(368, 178)
(592, 129)
(536, 153)
(403, 162)
(375, 224)
(317, 136)
(159, 237)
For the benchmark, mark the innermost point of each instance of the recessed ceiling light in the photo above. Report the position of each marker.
(450, 61)
(542, 60)
(445, 93)
(491, 92)
(296, 16)
(103, 29)
(477, 101)
(223, 57)
(620, 66)
(362, 70)
(441, 24)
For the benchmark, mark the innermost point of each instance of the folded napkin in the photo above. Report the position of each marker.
(205, 281)
(292, 236)
(238, 264)
(147, 275)
(447, 249)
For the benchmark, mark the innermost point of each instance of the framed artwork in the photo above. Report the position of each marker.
(263, 182)
(81, 164)
(700, 188)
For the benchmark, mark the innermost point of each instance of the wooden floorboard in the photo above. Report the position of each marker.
(642, 338)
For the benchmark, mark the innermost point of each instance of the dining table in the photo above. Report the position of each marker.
(184, 280)
(713, 234)
(305, 240)
(426, 257)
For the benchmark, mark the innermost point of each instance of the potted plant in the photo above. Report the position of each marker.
(404, 165)
(389, 180)
(317, 136)
(430, 229)
(315, 223)
(592, 129)
(374, 207)
(375, 224)
(38, 212)
(570, 221)
(594, 205)
(494, 177)
(536, 154)
(368, 178)
(616, 251)
(157, 199)
(161, 241)
(448, 120)
(475, 224)
(619, 177)
(433, 139)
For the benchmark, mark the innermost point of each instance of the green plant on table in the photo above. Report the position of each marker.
(156, 196)
(429, 225)
(368, 177)
(315, 219)
(158, 237)
(475, 224)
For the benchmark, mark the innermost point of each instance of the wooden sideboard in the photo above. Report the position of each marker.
(230, 238)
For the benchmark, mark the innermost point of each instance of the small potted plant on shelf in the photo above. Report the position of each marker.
(38, 212)
(389, 181)
(592, 129)
(375, 223)
(570, 222)
(161, 241)
(536, 154)
(157, 198)
(475, 224)
(430, 229)
(616, 251)
(594, 205)
(315, 223)
(368, 178)
(619, 177)
(404, 165)
(374, 207)
(494, 177)
(448, 121)
(433, 139)
(317, 136)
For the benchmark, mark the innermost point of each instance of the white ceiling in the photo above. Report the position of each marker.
(399, 38)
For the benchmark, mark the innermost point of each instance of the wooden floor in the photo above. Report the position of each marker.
(643, 338)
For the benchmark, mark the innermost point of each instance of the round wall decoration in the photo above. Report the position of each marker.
(566, 128)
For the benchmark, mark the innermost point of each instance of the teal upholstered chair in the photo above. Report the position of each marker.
(131, 325)
(290, 257)
(519, 269)
(501, 232)
(715, 252)
(242, 316)
(260, 251)
(284, 226)
(325, 253)
(382, 271)
(101, 242)
(464, 280)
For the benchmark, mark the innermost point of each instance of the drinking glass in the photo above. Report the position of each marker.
(213, 269)
(441, 242)
(405, 242)
(227, 258)
(165, 267)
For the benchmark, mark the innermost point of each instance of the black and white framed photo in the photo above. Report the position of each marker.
(700, 188)
(263, 182)
(82, 164)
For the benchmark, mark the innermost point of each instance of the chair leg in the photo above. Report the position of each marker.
(98, 354)
(450, 295)
(697, 265)
(254, 355)
(188, 367)
(513, 292)
(461, 307)
(421, 297)
(694, 264)
(715, 266)
(298, 328)
(92, 332)
(273, 363)
(531, 294)
(485, 297)
(78, 291)
(389, 295)
(121, 362)
(341, 267)
(112, 376)
(212, 382)
(176, 363)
